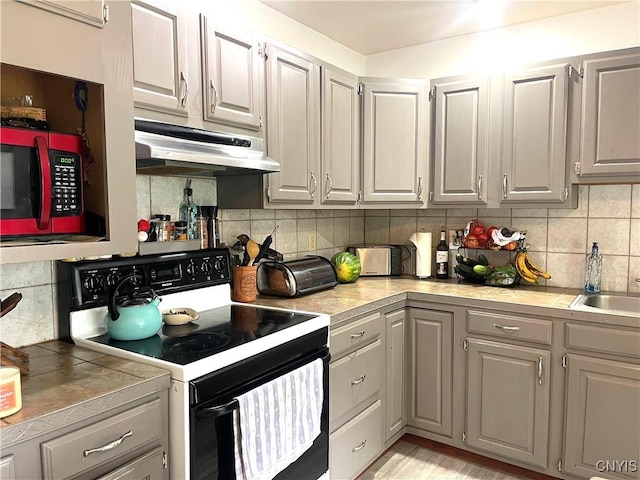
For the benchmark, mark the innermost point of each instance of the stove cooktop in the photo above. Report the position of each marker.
(216, 331)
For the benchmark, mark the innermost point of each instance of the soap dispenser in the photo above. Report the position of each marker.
(593, 272)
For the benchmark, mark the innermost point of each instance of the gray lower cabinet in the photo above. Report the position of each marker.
(395, 412)
(430, 370)
(602, 418)
(508, 391)
(611, 117)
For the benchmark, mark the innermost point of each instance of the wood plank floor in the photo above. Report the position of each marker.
(412, 458)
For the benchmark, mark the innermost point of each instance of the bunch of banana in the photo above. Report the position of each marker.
(528, 270)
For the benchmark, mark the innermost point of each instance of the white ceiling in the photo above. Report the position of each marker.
(372, 26)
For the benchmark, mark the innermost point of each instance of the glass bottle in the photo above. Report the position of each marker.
(593, 272)
(189, 211)
(442, 257)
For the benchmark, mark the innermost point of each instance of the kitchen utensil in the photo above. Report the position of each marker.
(136, 318)
(244, 283)
(265, 246)
(252, 249)
(9, 303)
(179, 316)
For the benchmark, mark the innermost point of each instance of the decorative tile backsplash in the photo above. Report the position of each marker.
(558, 239)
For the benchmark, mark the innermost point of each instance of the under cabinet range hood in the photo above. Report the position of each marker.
(174, 150)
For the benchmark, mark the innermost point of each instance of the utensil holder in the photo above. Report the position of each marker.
(244, 283)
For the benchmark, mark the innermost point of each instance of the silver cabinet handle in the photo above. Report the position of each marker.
(419, 187)
(183, 80)
(504, 186)
(214, 97)
(315, 184)
(506, 328)
(539, 370)
(359, 447)
(329, 185)
(479, 187)
(357, 335)
(358, 380)
(108, 446)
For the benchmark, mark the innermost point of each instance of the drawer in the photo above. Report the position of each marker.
(358, 332)
(509, 326)
(605, 340)
(145, 467)
(356, 444)
(78, 451)
(354, 378)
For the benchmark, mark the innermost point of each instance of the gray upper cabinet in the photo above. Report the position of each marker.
(508, 391)
(534, 135)
(340, 173)
(232, 76)
(460, 141)
(91, 12)
(602, 418)
(611, 118)
(394, 141)
(160, 77)
(293, 127)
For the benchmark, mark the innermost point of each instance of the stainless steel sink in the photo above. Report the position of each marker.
(605, 303)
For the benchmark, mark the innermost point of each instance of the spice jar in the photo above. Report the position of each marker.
(163, 227)
(180, 232)
(202, 232)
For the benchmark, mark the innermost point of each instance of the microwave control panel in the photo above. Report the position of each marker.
(66, 178)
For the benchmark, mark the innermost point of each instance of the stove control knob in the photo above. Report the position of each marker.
(206, 267)
(93, 283)
(192, 268)
(219, 266)
(112, 279)
(137, 279)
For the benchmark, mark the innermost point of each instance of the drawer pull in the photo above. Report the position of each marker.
(108, 446)
(506, 328)
(358, 380)
(358, 335)
(359, 447)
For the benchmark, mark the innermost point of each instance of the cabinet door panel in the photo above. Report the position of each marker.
(602, 417)
(91, 12)
(508, 400)
(395, 415)
(146, 467)
(611, 116)
(460, 138)
(159, 57)
(340, 137)
(232, 77)
(293, 104)
(394, 142)
(534, 138)
(430, 375)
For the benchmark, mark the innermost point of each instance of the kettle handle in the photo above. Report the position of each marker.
(111, 306)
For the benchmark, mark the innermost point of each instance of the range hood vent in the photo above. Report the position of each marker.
(165, 149)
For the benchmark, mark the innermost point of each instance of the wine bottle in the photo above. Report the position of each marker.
(442, 257)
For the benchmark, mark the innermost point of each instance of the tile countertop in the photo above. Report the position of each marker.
(346, 301)
(68, 383)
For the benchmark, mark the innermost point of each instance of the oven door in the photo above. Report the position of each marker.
(212, 406)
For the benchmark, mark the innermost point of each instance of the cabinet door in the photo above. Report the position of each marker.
(293, 127)
(460, 136)
(534, 135)
(395, 414)
(602, 418)
(91, 12)
(430, 370)
(151, 465)
(232, 77)
(160, 81)
(611, 116)
(340, 137)
(508, 400)
(394, 132)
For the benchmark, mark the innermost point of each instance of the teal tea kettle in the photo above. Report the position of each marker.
(135, 318)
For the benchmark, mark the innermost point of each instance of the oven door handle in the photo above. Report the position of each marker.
(218, 410)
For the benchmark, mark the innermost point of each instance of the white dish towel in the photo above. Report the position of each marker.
(277, 422)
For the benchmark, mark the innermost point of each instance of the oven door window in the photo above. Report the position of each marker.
(19, 182)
